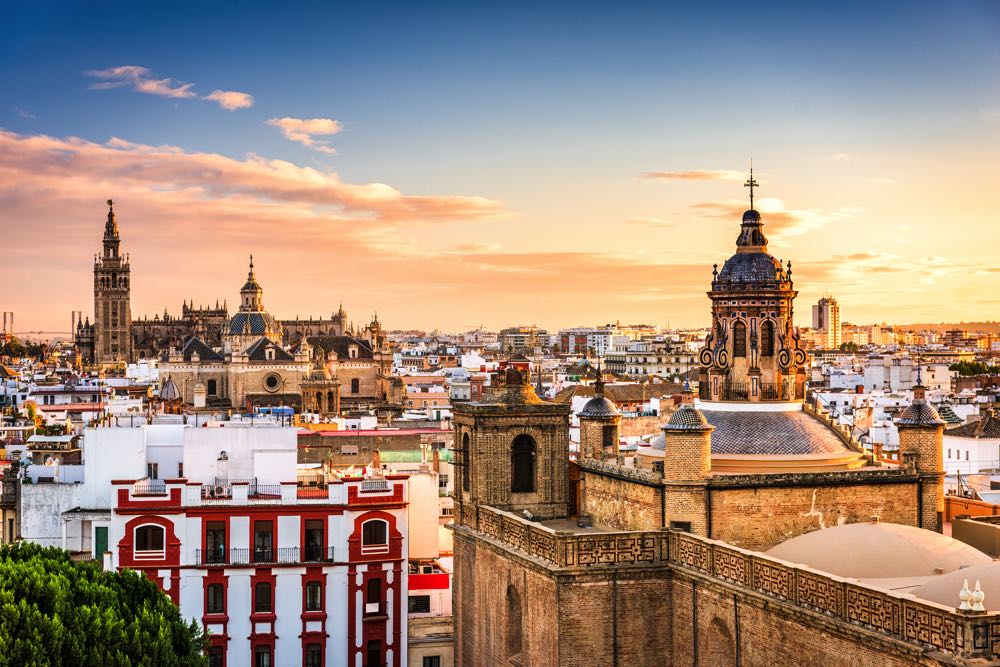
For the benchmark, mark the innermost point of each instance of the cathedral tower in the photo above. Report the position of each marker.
(753, 352)
(112, 309)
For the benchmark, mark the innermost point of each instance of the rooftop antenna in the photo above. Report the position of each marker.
(751, 183)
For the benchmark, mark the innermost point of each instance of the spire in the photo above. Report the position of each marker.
(112, 239)
(751, 183)
(250, 275)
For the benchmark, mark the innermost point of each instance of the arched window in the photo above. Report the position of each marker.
(767, 339)
(466, 458)
(375, 536)
(331, 401)
(319, 401)
(514, 640)
(212, 388)
(739, 339)
(522, 464)
(149, 539)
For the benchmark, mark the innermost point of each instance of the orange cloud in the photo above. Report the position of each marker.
(776, 217)
(230, 100)
(305, 131)
(696, 175)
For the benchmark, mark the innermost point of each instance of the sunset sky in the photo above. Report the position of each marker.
(457, 164)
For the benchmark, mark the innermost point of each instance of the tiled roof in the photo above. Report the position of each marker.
(254, 322)
(257, 351)
(688, 418)
(598, 407)
(946, 413)
(169, 391)
(205, 353)
(987, 427)
(340, 345)
(773, 433)
(919, 413)
(751, 267)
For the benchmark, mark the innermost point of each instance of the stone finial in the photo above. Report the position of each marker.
(977, 597)
(964, 596)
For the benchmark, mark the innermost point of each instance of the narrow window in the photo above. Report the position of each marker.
(522, 464)
(263, 542)
(373, 653)
(314, 655)
(314, 596)
(215, 599)
(262, 597)
(355, 385)
(514, 639)
(215, 542)
(215, 656)
(767, 339)
(466, 460)
(313, 543)
(262, 656)
(373, 596)
(212, 387)
(739, 339)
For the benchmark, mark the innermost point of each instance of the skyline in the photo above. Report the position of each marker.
(455, 166)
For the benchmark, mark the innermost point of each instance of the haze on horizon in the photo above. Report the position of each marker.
(457, 165)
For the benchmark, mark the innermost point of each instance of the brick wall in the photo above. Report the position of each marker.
(761, 517)
(619, 503)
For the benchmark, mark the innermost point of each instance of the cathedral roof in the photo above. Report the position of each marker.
(878, 550)
(258, 351)
(205, 353)
(766, 433)
(744, 268)
(254, 322)
(340, 346)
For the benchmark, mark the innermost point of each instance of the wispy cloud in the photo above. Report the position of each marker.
(142, 80)
(22, 113)
(305, 131)
(230, 99)
(651, 222)
(695, 175)
(840, 157)
(777, 217)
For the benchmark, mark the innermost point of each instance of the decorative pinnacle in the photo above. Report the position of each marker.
(751, 183)
(111, 205)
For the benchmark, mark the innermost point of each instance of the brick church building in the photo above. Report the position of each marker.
(665, 559)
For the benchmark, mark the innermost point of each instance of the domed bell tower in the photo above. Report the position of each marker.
(753, 352)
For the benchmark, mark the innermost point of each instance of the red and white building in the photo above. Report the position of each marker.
(279, 574)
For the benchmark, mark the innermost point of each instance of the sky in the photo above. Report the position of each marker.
(455, 164)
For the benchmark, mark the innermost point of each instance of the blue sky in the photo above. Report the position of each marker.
(871, 124)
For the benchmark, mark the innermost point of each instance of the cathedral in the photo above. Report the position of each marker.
(249, 359)
(756, 531)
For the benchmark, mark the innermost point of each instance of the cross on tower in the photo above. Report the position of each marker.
(751, 183)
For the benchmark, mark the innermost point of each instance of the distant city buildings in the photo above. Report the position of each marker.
(826, 322)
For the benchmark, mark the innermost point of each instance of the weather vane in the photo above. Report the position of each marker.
(751, 184)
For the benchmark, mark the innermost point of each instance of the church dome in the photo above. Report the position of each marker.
(169, 392)
(944, 589)
(599, 407)
(746, 268)
(259, 323)
(878, 551)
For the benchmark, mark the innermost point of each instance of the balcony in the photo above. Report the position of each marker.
(241, 556)
(223, 490)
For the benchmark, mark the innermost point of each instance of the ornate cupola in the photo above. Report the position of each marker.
(252, 293)
(753, 351)
(112, 240)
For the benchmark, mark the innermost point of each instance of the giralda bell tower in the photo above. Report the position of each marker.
(112, 311)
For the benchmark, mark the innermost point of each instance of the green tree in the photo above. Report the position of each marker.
(974, 368)
(56, 611)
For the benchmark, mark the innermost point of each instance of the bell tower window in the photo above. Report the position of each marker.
(767, 339)
(522, 460)
(739, 339)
